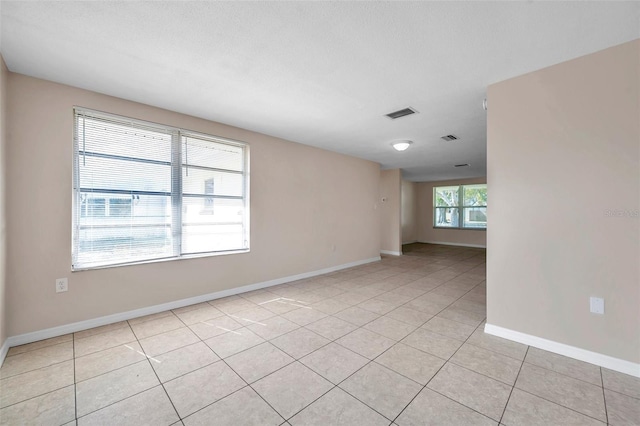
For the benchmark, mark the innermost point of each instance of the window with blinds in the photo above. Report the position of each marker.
(144, 192)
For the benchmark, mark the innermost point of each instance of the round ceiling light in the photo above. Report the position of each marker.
(401, 145)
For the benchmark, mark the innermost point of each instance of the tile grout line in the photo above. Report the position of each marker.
(504, 410)
(147, 357)
(373, 360)
(432, 377)
(604, 397)
(234, 371)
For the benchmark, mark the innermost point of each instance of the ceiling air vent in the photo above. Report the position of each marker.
(401, 113)
(449, 138)
(462, 165)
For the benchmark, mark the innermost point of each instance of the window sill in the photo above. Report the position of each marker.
(460, 229)
(166, 259)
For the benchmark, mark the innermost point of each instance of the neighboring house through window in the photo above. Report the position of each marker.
(139, 192)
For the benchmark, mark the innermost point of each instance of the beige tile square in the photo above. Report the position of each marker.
(465, 317)
(156, 326)
(291, 389)
(282, 305)
(34, 383)
(214, 327)
(395, 298)
(491, 364)
(334, 362)
(622, 409)
(304, 316)
(257, 362)
(39, 344)
(244, 407)
(388, 327)
(299, 342)
(382, 389)
(485, 395)
(526, 409)
(165, 342)
(433, 343)
(407, 290)
(410, 316)
(99, 330)
(196, 390)
(571, 393)
(564, 365)
(233, 342)
(181, 361)
(338, 408)
(471, 306)
(453, 329)
(103, 341)
(98, 363)
(416, 365)
(101, 391)
(57, 407)
(356, 316)
(233, 305)
(431, 408)
(330, 306)
(352, 298)
(37, 358)
(621, 383)
(151, 407)
(377, 306)
(273, 327)
(254, 315)
(328, 291)
(331, 328)
(259, 296)
(497, 344)
(366, 343)
(425, 305)
(204, 313)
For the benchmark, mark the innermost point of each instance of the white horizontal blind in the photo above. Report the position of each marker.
(213, 210)
(146, 192)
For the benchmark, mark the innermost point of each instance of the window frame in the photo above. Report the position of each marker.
(460, 207)
(176, 193)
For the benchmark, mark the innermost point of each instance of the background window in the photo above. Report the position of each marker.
(460, 206)
(139, 192)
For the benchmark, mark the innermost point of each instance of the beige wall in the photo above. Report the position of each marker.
(409, 212)
(389, 204)
(428, 234)
(563, 148)
(3, 229)
(310, 209)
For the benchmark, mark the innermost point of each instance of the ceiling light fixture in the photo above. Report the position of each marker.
(401, 145)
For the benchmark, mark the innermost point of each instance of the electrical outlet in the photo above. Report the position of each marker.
(597, 305)
(61, 285)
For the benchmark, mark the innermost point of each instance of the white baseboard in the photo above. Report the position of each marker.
(409, 242)
(392, 253)
(616, 364)
(444, 243)
(122, 316)
(3, 351)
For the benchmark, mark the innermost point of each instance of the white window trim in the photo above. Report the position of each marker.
(176, 162)
(460, 208)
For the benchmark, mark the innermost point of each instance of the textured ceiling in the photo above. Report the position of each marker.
(322, 74)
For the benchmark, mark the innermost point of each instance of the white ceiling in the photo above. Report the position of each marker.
(322, 74)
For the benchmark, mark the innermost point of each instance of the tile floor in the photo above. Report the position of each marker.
(397, 342)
